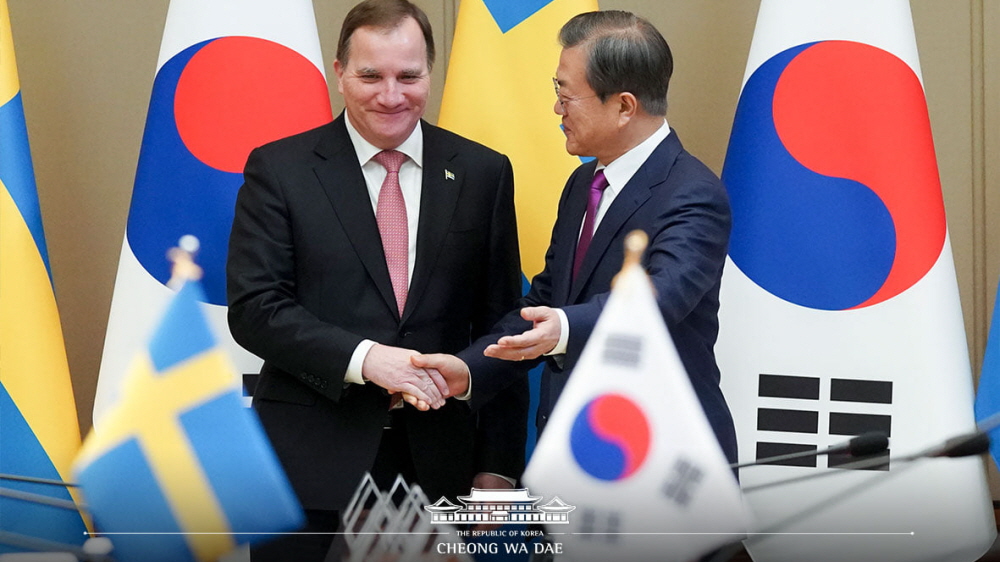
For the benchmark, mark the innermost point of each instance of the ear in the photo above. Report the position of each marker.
(628, 107)
(338, 69)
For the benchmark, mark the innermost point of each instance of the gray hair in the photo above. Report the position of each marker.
(625, 54)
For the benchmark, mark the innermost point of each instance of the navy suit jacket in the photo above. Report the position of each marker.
(683, 208)
(307, 281)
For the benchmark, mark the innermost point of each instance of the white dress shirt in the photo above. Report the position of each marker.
(410, 181)
(618, 174)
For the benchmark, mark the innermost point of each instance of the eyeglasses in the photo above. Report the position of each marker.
(563, 100)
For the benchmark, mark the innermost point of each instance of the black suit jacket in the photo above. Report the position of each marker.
(684, 209)
(307, 281)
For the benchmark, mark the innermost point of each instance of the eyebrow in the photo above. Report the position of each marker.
(366, 71)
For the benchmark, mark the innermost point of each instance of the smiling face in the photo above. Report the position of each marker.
(385, 82)
(590, 125)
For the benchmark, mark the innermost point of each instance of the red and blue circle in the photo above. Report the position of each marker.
(610, 437)
(832, 177)
(211, 104)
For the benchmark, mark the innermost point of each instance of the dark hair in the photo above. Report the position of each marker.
(383, 14)
(625, 54)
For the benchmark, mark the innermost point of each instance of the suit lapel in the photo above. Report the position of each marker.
(569, 230)
(635, 193)
(344, 184)
(443, 179)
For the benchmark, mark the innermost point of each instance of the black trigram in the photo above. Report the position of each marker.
(805, 420)
(600, 526)
(623, 350)
(683, 482)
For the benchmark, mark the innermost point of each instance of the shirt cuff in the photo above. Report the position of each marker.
(353, 374)
(467, 395)
(563, 342)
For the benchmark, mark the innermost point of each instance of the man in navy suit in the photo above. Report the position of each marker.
(611, 85)
(355, 246)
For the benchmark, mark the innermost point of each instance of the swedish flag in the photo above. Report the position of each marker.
(988, 394)
(39, 431)
(178, 469)
(499, 92)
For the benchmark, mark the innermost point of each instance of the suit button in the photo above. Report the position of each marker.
(406, 334)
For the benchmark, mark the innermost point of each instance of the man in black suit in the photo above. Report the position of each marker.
(355, 246)
(611, 88)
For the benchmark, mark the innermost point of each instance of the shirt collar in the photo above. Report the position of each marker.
(621, 170)
(412, 147)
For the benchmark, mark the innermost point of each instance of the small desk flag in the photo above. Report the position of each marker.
(629, 445)
(178, 466)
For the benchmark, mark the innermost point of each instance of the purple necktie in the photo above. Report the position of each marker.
(390, 214)
(597, 187)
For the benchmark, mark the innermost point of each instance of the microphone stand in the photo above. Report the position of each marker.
(18, 540)
(863, 445)
(971, 444)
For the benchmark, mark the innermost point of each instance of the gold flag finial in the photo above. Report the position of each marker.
(182, 257)
(635, 245)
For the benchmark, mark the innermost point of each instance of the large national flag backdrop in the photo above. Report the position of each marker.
(39, 431)
(988, 394)
(840, 306)
(231, 75)
(499, 92)
(179, 470)
(629, 445)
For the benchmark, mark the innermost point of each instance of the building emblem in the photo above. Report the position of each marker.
(499, 507)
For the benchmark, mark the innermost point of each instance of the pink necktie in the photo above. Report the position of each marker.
(390, 214)
(597, 187)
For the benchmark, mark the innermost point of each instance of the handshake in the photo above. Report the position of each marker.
(426, 380)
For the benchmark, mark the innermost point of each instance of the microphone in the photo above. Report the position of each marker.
(866, 444)
(871, 443)
(966, 445)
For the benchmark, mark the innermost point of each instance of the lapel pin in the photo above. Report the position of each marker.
(448, 175)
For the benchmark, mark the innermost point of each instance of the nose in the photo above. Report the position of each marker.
(391, 93)
(558, 108)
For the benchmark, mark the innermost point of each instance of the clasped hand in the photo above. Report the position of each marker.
(392, 369)
(450, 375)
